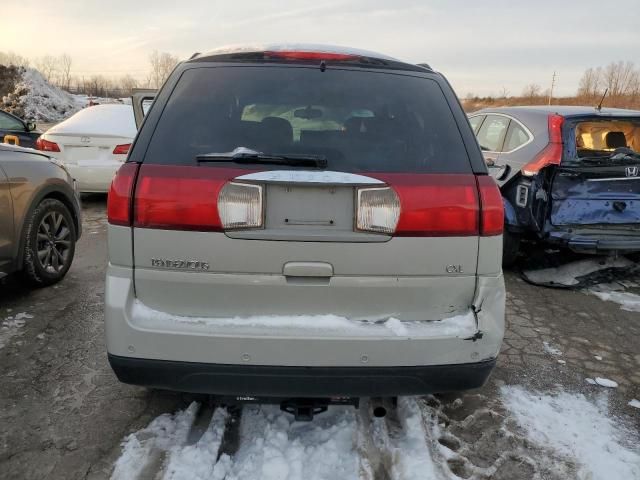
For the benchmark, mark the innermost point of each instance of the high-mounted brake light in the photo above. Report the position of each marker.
(378, 210)
(119, 199)
(552, 153)
(46, 145)
(122, 149)
(297, 55)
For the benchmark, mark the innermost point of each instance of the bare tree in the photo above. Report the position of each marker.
(590, 83)
(162, 64)
(505, 93)
(13, 59)
(64, 69)
(532, 91)
(127, 83)
(47, 66)
(619, 78)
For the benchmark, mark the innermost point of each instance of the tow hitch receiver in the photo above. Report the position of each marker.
(303, 409)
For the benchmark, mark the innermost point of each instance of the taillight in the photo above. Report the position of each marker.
(119, 199)
(180, 198)
(491, 207)
(240, 206)
(46, 145)
(378, 210)
(122, 149)
(435, 205)
(552, 153)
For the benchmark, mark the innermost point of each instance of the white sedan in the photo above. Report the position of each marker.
(92, 144)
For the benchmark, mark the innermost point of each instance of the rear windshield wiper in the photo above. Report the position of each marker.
(246, 156)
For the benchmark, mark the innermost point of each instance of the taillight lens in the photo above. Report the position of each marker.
(180, 198)
(46, 145)
(552, 153)
(122, 149)
(119, 199)
(378, 210)
(240, 206)
(435, 205)
(491, 207)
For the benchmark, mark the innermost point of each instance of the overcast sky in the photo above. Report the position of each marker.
(482, 46)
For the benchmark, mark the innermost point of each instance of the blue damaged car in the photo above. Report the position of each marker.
(569, 175)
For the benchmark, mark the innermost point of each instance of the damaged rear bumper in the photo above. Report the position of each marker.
(597, 242)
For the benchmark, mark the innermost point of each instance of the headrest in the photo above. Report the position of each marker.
(615, 140)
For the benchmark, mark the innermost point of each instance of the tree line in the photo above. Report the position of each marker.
(58, 71)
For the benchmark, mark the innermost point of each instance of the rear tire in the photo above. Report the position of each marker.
(49, 243)
(510, 248)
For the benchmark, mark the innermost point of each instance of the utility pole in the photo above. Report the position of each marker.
(553, 84)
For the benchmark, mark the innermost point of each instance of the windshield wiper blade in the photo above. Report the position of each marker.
(289, 160)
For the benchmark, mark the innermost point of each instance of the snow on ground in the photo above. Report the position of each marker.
(579, 429)
(273, 446)
(569, 273)
(608, 293)
(551, 349)
(634, 403)
(11, 326)
(461, 325)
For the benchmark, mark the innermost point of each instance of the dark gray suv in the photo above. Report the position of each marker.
(39, 216)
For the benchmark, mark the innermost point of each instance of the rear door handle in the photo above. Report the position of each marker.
(307, 269)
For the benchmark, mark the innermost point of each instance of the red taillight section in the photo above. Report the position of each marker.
(180, 198)
(296, 55)
(435, 205)
(552, 153)
(119, 199)
(491, 207)
(122, 149)
(46, 145)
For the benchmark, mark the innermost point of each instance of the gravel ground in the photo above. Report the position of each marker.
(64, 415)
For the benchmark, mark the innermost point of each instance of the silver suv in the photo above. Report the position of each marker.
(304, 222)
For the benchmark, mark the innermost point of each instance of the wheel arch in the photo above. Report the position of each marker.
(52, 191)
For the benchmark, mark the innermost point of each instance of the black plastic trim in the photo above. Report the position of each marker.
(285, 381)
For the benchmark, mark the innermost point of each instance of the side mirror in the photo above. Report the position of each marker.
(31, 126)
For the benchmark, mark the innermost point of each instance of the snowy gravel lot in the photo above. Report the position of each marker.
(563, 402)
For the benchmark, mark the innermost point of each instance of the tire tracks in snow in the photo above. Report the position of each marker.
(260, 441)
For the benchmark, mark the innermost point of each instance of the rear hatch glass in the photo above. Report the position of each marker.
(359, 121)
(598, 182)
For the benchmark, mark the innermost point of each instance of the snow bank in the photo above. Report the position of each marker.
(576, 428)
(569, 273)
(628, 301)
(114, 120)
(164, 433)
(36, 99)
(460, 325)
(275, 447)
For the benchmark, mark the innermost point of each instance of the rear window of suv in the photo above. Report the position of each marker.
(361, 121)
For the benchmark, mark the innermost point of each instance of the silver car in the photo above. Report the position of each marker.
(304, 223)
(39, 216)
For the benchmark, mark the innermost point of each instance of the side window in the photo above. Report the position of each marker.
(516, 136)
(475, 122)
(7, 122)
(492, 132)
